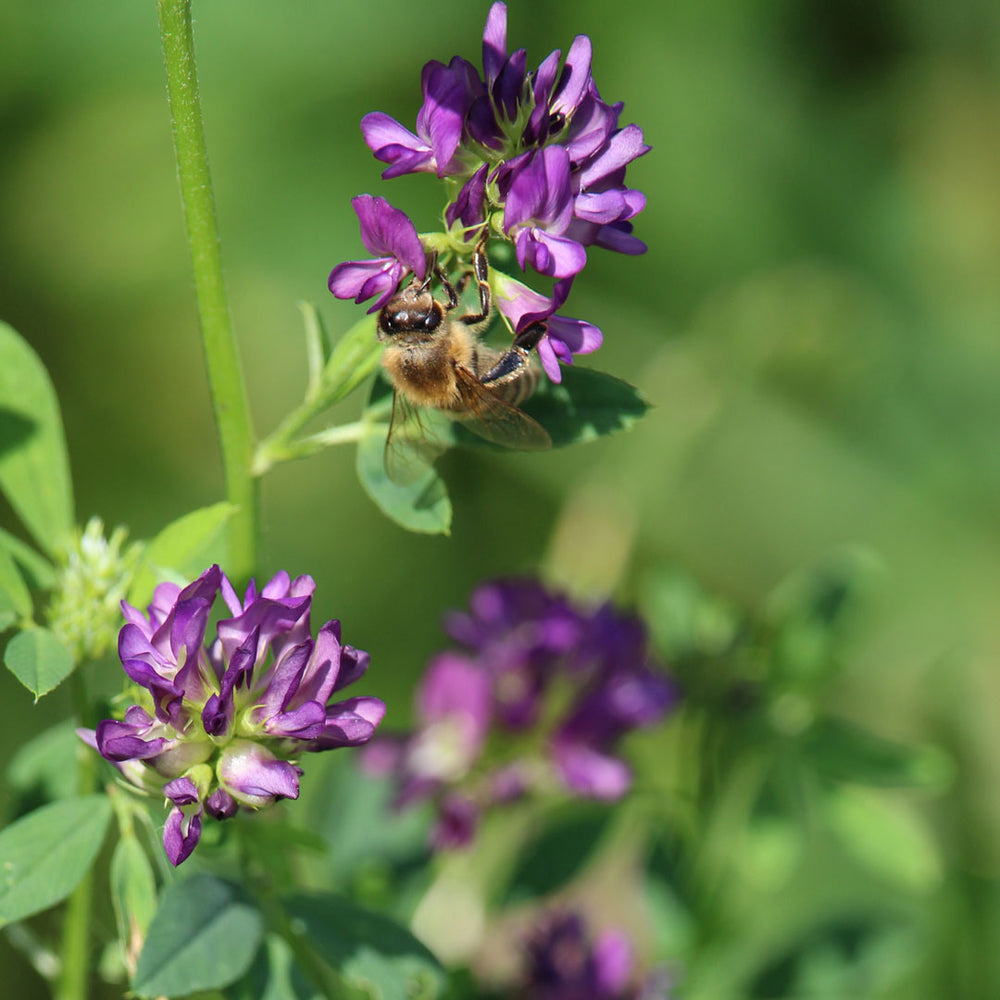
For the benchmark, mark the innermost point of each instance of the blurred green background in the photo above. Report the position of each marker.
(815, 323)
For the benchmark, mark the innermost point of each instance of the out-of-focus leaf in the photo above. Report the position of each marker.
(685, 619)
(183, 548)
(887, 836)
(559, 851)
(133, 893)
(370, 830)
(34, 468)
(371, 952)
(35, 569)
(44, 764)
(47, 852)
(846, 752)
(274, 976)
(38, 660)
(204, 936)
(421, 506)
(15, 601)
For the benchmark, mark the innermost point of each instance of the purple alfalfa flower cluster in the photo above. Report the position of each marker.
(563, 961)
(534, 159)
(219, 726)
(534, 702)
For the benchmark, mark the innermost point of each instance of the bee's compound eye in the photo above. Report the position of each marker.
(432, 320)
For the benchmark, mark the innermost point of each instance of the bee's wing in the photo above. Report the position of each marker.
(497, 420)
(411, 444)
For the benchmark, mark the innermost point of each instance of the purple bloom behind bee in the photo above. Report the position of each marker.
(564, 963)
(535, 158)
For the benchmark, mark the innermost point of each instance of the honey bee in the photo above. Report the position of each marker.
(436, 361)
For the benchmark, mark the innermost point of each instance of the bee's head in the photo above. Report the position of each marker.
(413, 311)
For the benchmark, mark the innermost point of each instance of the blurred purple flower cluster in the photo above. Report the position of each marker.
(564, 963)
(219, 726)
(536, 700)
(536, 159)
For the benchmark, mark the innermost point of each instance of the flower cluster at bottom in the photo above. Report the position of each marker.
(565, 963)
(536, 701)
(218, 726)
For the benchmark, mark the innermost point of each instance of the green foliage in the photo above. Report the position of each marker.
(586, 405)
(133, 892)
(371, 952)
(370, 831)
(182, 550)
(15, 600)
(46, 853)
(34, 468)
(204, 936)
(886, 835)
(38, 660)
(422, 505)
(558, 851)
(43, 767)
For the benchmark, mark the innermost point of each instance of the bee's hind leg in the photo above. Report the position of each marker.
(514, 362)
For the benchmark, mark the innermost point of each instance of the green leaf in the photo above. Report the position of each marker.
(371, 952)
(44, 766)
(370, 830)
(275, 976)
(559, 852)
(422, 505)
(133, 891)
(34, 468)
(586, 405)
(353, 360)
(35, 569)
(182, 549)
(38, 660)
(47, 852)
(887, 836)
(846, 752)
(15, 601)
(204, 936)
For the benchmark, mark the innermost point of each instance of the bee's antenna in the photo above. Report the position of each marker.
(431, 271)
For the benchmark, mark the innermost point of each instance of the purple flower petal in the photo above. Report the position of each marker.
(254, 776)
(349, 723)
(448, 93)
(614, 963)
(181, 791)
(555, 256)
(398, 146)
(540, 193)
(469, 206)
(456, 823)
(221, 805)
(575, 81)
(590, 773)
(181, 835)
(353, 664)
(495, 42)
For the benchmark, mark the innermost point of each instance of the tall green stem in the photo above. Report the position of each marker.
(74, 976)
(229, 399)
